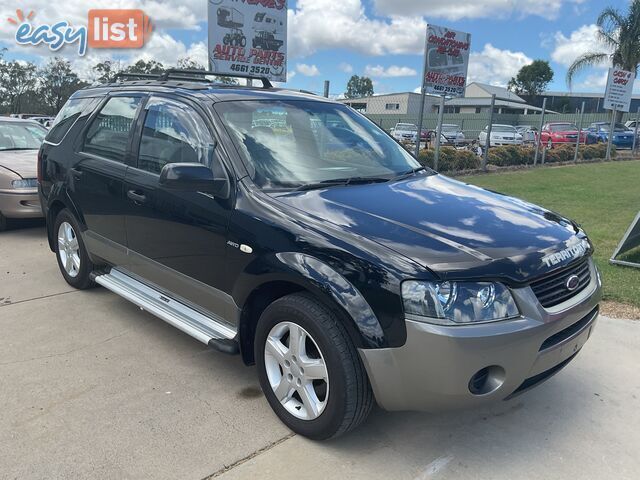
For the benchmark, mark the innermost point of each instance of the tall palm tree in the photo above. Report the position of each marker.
(619, 35)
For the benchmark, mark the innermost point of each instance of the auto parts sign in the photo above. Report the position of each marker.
(446, 61)
(248, 37)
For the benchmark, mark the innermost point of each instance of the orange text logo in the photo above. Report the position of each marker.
(118, 28)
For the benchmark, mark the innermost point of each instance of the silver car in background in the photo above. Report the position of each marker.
(19, 144)
(500, 135)
(453, 134)
(528, 133)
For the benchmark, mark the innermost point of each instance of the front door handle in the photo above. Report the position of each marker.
(136, 196)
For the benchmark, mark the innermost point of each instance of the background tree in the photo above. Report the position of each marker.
(619, 36)
(187, 63)
(105, 72)
(532, 79)
(16, 79)
(146, 67)
(359, 87)
(56, 84)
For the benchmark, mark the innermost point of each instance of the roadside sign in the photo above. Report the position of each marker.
(629, 242)
(248, 38)
(446, 61)
(617, 96)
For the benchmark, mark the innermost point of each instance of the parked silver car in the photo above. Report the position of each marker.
(501, 135)
(452, 133)
(19, 144)
(528, 133)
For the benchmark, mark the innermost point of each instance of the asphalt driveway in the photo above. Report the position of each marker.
(92, 387)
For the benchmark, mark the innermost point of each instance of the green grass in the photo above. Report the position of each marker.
(602, 197)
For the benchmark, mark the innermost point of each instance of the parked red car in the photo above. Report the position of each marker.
(560, 133)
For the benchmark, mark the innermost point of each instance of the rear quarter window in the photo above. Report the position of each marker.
(108, 134)
(67, 117)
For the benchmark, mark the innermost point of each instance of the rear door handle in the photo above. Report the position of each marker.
(136, 196)
(76, 173)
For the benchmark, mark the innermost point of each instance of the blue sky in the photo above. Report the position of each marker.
(334, 39)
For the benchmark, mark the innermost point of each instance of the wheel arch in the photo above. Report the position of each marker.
(303, 273)
(56, 205)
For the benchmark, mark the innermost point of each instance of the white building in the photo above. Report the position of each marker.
(405, 103)
(477, 99)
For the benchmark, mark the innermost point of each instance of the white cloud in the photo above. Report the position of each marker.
(549, 9)
(495, 66)
(392, 71)
(567, 49)
(161, 46)
(163, 13)
(323, 24)
(594, 82)
(346, 67)
(307, 70)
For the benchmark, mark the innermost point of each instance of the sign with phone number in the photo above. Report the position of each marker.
(446, 61)
(248, 37)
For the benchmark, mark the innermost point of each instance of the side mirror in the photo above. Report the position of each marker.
(193, 177)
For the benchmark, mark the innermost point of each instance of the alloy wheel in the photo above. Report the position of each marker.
(69, 249)
(296, 370)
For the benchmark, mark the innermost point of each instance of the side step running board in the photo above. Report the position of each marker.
(201, 327)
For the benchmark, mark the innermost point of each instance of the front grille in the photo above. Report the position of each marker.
(552, 290)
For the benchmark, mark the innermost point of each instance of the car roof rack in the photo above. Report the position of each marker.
(199, 76)
(189, 75)
(127, 75)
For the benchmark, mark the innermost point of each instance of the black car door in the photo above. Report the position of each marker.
(177, 239)
(97, 186)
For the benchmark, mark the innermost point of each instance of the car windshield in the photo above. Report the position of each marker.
(450, 128)
(289, 144)
(618, 127)
(408, 127)
(21, 136)
(503, 129)
(563, 127)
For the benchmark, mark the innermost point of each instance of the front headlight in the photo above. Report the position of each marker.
(457, 303)
(25, 183)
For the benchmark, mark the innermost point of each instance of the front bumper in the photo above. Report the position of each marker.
(433, 371)
(500, 143)
(20, 204)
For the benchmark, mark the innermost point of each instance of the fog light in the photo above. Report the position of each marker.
(487, 380)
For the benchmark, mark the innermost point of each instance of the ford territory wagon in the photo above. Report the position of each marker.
(290, 229)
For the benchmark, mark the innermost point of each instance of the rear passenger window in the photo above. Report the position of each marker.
(67, 117)
(173, 133)
(108, 135)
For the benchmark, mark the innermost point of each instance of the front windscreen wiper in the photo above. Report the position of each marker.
(411, 172)
(340, 181)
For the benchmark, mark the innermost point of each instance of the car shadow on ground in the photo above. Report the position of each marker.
(24, 224)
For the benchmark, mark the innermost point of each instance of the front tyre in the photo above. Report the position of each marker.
(309, 369)
(71, 252)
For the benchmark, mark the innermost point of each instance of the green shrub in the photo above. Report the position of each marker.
(451, 159)
(560, 153)
(510, 155)
(597, 150)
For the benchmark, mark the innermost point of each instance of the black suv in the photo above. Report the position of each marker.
(291, 229)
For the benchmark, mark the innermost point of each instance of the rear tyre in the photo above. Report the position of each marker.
(3, 223)
(71, 252)
(309, 369)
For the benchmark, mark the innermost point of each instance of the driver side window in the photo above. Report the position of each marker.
(173, 133)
